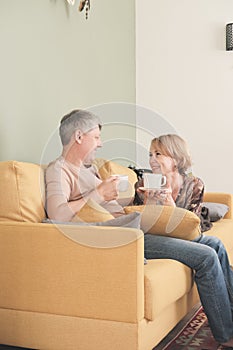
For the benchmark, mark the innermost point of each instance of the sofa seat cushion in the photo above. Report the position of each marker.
(21, 192)
(223, 229)
(165, 282)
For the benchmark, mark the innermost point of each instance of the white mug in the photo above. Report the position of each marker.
(123, 182)
(154, 181)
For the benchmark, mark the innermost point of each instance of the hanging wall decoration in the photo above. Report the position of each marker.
(83, 5)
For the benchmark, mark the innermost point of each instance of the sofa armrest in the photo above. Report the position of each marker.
(221, 197)
(46, 270)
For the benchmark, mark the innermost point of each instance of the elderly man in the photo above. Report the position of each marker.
(71, 179)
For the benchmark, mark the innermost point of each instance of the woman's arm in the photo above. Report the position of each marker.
(195, 204)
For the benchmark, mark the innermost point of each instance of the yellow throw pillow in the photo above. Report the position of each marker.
(21, 192)
(167, 221)
(92, 212)
(107, 168)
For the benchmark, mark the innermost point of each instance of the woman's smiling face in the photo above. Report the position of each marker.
(159, 162)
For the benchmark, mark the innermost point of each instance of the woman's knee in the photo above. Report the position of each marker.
(211, 241)
(208, 256)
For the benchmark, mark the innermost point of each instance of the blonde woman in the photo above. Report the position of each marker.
(169, 155)
(207, 256)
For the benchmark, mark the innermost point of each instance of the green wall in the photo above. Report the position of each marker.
(54, 60)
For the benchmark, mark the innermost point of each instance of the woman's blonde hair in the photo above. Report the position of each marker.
(174, 146)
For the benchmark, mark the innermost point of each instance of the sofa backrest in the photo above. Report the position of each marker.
(21, 192)
(22, 189)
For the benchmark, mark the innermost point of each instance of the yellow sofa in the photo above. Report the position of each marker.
(60, 293)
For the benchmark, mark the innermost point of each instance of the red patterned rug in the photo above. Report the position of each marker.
(195, 335)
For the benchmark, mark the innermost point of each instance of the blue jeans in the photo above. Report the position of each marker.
(213, 275)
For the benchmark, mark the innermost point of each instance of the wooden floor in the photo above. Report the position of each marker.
(160, 346)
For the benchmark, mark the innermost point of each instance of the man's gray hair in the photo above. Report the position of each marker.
(77, 120)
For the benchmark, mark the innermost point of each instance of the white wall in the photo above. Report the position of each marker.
(185, 75)
(54, 60)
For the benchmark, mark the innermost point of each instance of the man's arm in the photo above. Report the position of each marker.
(58, 194)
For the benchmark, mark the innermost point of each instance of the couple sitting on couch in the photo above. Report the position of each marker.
(71, 180)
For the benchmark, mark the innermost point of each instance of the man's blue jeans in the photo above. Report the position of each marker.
(213, 275)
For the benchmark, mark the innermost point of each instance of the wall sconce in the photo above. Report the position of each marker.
(229, 36)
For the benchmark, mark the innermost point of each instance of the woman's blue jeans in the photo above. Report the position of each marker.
(213, 275)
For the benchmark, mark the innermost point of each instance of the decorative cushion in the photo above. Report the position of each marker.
(167, 221)
(107, 168)
(131, 220)
(91, 212)
(21, 192)
(216, 210)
